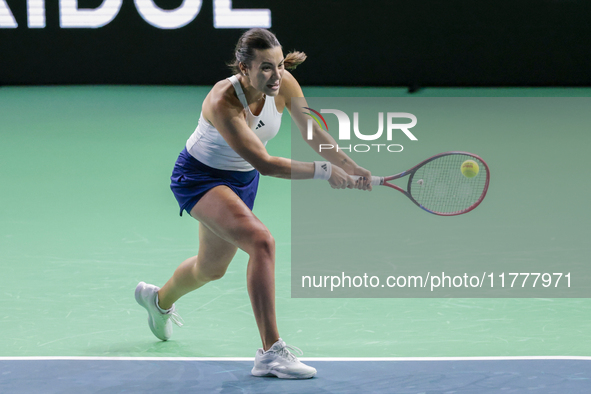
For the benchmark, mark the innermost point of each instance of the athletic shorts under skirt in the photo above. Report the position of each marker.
(191, 179)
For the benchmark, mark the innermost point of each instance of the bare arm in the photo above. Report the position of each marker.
(229, 121)
(292, 89)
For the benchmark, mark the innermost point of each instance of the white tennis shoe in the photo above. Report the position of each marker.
(279, 361)
(160, 322)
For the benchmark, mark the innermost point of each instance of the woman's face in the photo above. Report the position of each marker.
(266, 70)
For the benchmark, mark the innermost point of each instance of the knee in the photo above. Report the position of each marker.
(211, 275)
(207, 272)
(263, 243)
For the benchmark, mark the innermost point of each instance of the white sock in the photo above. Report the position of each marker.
(163, 311)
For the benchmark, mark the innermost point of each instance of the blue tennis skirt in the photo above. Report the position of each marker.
(191, 179)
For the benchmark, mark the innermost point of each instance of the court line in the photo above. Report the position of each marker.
(404, 359)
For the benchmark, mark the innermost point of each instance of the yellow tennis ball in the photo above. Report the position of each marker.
(470, 168)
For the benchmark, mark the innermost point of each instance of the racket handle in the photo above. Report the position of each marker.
(375, 180)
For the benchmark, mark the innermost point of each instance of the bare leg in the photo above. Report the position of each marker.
(226, 223)
(260, 276)
(211, 263)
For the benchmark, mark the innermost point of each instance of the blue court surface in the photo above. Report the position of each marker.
(219, 375)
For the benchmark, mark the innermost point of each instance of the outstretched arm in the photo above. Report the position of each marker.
(291, 89)
(227, 118)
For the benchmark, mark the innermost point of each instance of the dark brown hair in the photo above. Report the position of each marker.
(261, 39)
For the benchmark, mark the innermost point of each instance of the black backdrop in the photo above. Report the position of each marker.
(374, 42)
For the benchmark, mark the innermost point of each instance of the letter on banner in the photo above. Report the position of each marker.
(7, 20)
(168, 19)
(36, 13)
(73, 17)
(224, 17)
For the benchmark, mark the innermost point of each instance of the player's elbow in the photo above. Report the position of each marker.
(268, 167)
(265, 169)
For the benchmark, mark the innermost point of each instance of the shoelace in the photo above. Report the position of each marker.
(175, 317)
(285, 352)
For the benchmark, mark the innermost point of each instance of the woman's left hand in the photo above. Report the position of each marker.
(363, 183)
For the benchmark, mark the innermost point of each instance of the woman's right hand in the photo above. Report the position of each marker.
(339, 179)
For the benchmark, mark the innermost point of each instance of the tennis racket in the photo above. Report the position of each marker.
(438, 186)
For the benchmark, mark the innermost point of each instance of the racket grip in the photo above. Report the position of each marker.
(375, 180)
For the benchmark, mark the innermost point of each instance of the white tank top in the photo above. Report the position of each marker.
(208, 146)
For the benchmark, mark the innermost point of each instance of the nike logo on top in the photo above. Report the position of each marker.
(261, 124)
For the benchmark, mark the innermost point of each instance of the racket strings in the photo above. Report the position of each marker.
(440, 186)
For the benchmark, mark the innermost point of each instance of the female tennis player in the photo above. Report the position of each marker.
(215, 180)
